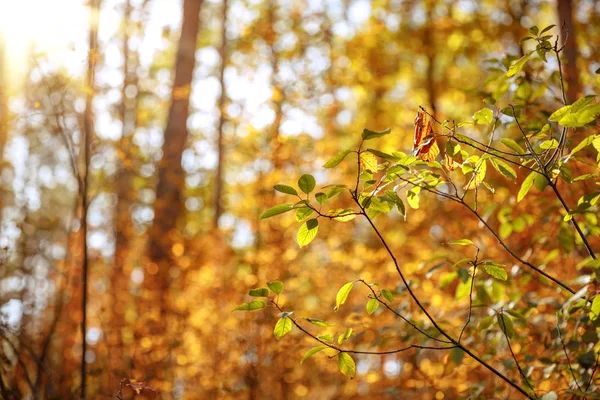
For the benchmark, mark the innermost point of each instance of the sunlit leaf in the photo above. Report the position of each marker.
(337, 159)
(526, 185)
(312, 352)
(496, 270)
(276, 286)
(461, 242)
(319, 322)
(303, 213)
(372, 306)
(484, 116)
(280, 209)
(342, 295)
(518, 65)
(511, 144)
(368, 162)
(346, 365)
(344, 336)
(282, 327)
(251, 306)
(595, 310)
(307, 232)
(412, 197)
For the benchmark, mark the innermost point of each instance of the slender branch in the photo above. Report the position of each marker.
(431, 319)
(339, 349)
(515, 357)
(462, 331)
(554, 187)
(378, 297)
(564, 347)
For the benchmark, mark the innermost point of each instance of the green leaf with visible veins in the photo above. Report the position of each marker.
(282, 327)
(307, 232)
(346, 365)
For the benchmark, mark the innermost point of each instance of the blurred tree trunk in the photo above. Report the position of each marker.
(220, 140)
(3, 118)
(430, 51)
(565, 16)
(163, 233)
(88, 132)
(119, 279)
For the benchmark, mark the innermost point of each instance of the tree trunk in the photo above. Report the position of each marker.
(220, 146)
(565, 16)
(88, 123)
(163, 234)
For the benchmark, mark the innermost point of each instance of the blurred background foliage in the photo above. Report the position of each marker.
(173, 236)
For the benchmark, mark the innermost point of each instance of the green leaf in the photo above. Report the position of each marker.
(457, 355)
(595, 311)
(321, 197)
(312, 352)
(461, 242)
(583, 144)
(346, 365)
(581, 103)
(503, 168)
(307, 232)
(303, 213)
(326, 338)
(307, 183)
(511, 144)
(342, 295)
(534, 30)
(276, 286)
(383, 155)
(484, 116)
(280, 209)
(286, 189)
(282, 327)
(518, 65)
(251, 306)
(506, 325)
(549, 144)
(546, 29)
(485, 323)
(478, 174)
(369, 134)
(344, 336)
(560, 113)
(526, 185)
(372, 306)
(337, 159)
(582, 117)
(388, 295)
(496, 270)
(259, 292)
(412, 197)
(319, 322)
